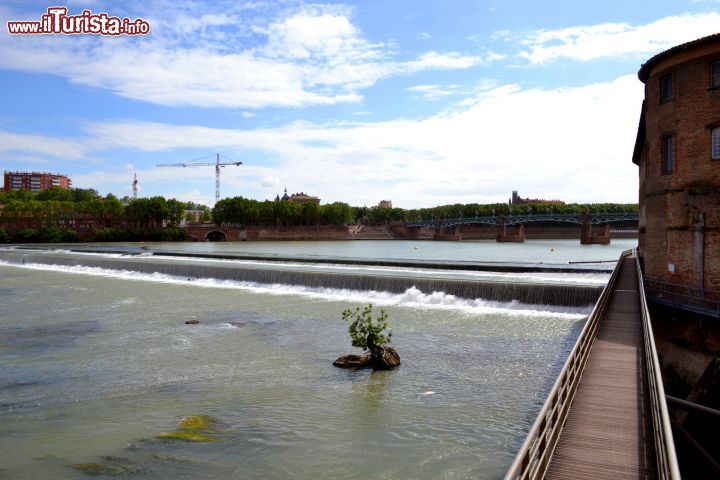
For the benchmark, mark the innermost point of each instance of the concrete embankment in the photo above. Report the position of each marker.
(298, 233)
(402, 232)
(530, 293)
(200, 232)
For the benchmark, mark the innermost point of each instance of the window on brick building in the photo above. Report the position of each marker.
(716, 143)
(667, 149)
(715, 74)
(666, 88)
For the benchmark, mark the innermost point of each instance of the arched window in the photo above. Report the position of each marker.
(716, 143)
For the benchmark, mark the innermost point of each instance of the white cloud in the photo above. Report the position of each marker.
(424, 36)
(434, 92)
(195, 196)
(617, 39)
(574, 144)
(313, 56)
(443, 60)
(11, 142)
(271, 182)
(314, 34)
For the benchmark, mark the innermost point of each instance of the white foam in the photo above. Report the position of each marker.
(529, 277)
(411, 298)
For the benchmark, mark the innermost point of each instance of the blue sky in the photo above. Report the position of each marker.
(419, 102)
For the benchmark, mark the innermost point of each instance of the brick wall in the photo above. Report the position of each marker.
(672, 205)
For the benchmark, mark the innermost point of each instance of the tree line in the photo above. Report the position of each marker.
(243, 211)
(57, 214)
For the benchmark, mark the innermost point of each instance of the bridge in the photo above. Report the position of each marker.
(211, 232)
(606, 416)
(572, 218)
(595, 227)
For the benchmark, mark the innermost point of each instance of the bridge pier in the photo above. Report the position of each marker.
(443, 235)
(504, 236)
(600, 235)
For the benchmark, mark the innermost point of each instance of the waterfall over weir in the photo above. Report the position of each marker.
(529, 293)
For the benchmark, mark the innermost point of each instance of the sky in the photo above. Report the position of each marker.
(420, 102)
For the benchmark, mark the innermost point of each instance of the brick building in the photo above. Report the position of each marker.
(677, 150)
(516, 199)
(35, 181)
(300, 198)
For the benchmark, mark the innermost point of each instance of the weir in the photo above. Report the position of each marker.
(530, 293)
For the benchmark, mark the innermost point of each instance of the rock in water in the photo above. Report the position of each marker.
(386, 358)
(353, 361)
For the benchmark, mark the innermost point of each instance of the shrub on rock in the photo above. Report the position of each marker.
(373, 336)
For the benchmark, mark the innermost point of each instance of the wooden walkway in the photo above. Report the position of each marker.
(608, 433)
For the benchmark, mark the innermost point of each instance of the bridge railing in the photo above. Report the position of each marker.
(664, 444)
(688, 297)
(510, 219)
(533, 459)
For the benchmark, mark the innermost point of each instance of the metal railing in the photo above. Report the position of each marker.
(510, 219)
(667, 463)
(691, 298)
(533, 459)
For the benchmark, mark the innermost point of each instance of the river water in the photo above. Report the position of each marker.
(97, 363)
(484, 251)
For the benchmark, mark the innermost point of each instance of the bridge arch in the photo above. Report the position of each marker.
(216, 236)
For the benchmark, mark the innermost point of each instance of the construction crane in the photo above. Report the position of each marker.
(217, 166)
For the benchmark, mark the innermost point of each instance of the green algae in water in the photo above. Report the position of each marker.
(189, 437)
(104, 469)
(173, 458)
(197, 423)
(194, 428)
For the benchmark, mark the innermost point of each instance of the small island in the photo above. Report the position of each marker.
(373, 336)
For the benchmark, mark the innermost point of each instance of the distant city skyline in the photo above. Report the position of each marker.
(423, 103)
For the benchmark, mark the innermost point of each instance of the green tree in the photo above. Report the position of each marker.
(84, 194)
(175, 210)
(310, 213)
(337, 213)
(113, 206)
(55, 193)
(365, 332)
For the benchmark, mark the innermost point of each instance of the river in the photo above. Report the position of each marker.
(483, 251)
(98, 362)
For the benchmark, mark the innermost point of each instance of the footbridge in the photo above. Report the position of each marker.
(606, 416)
(573, 218)
(595, 227)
